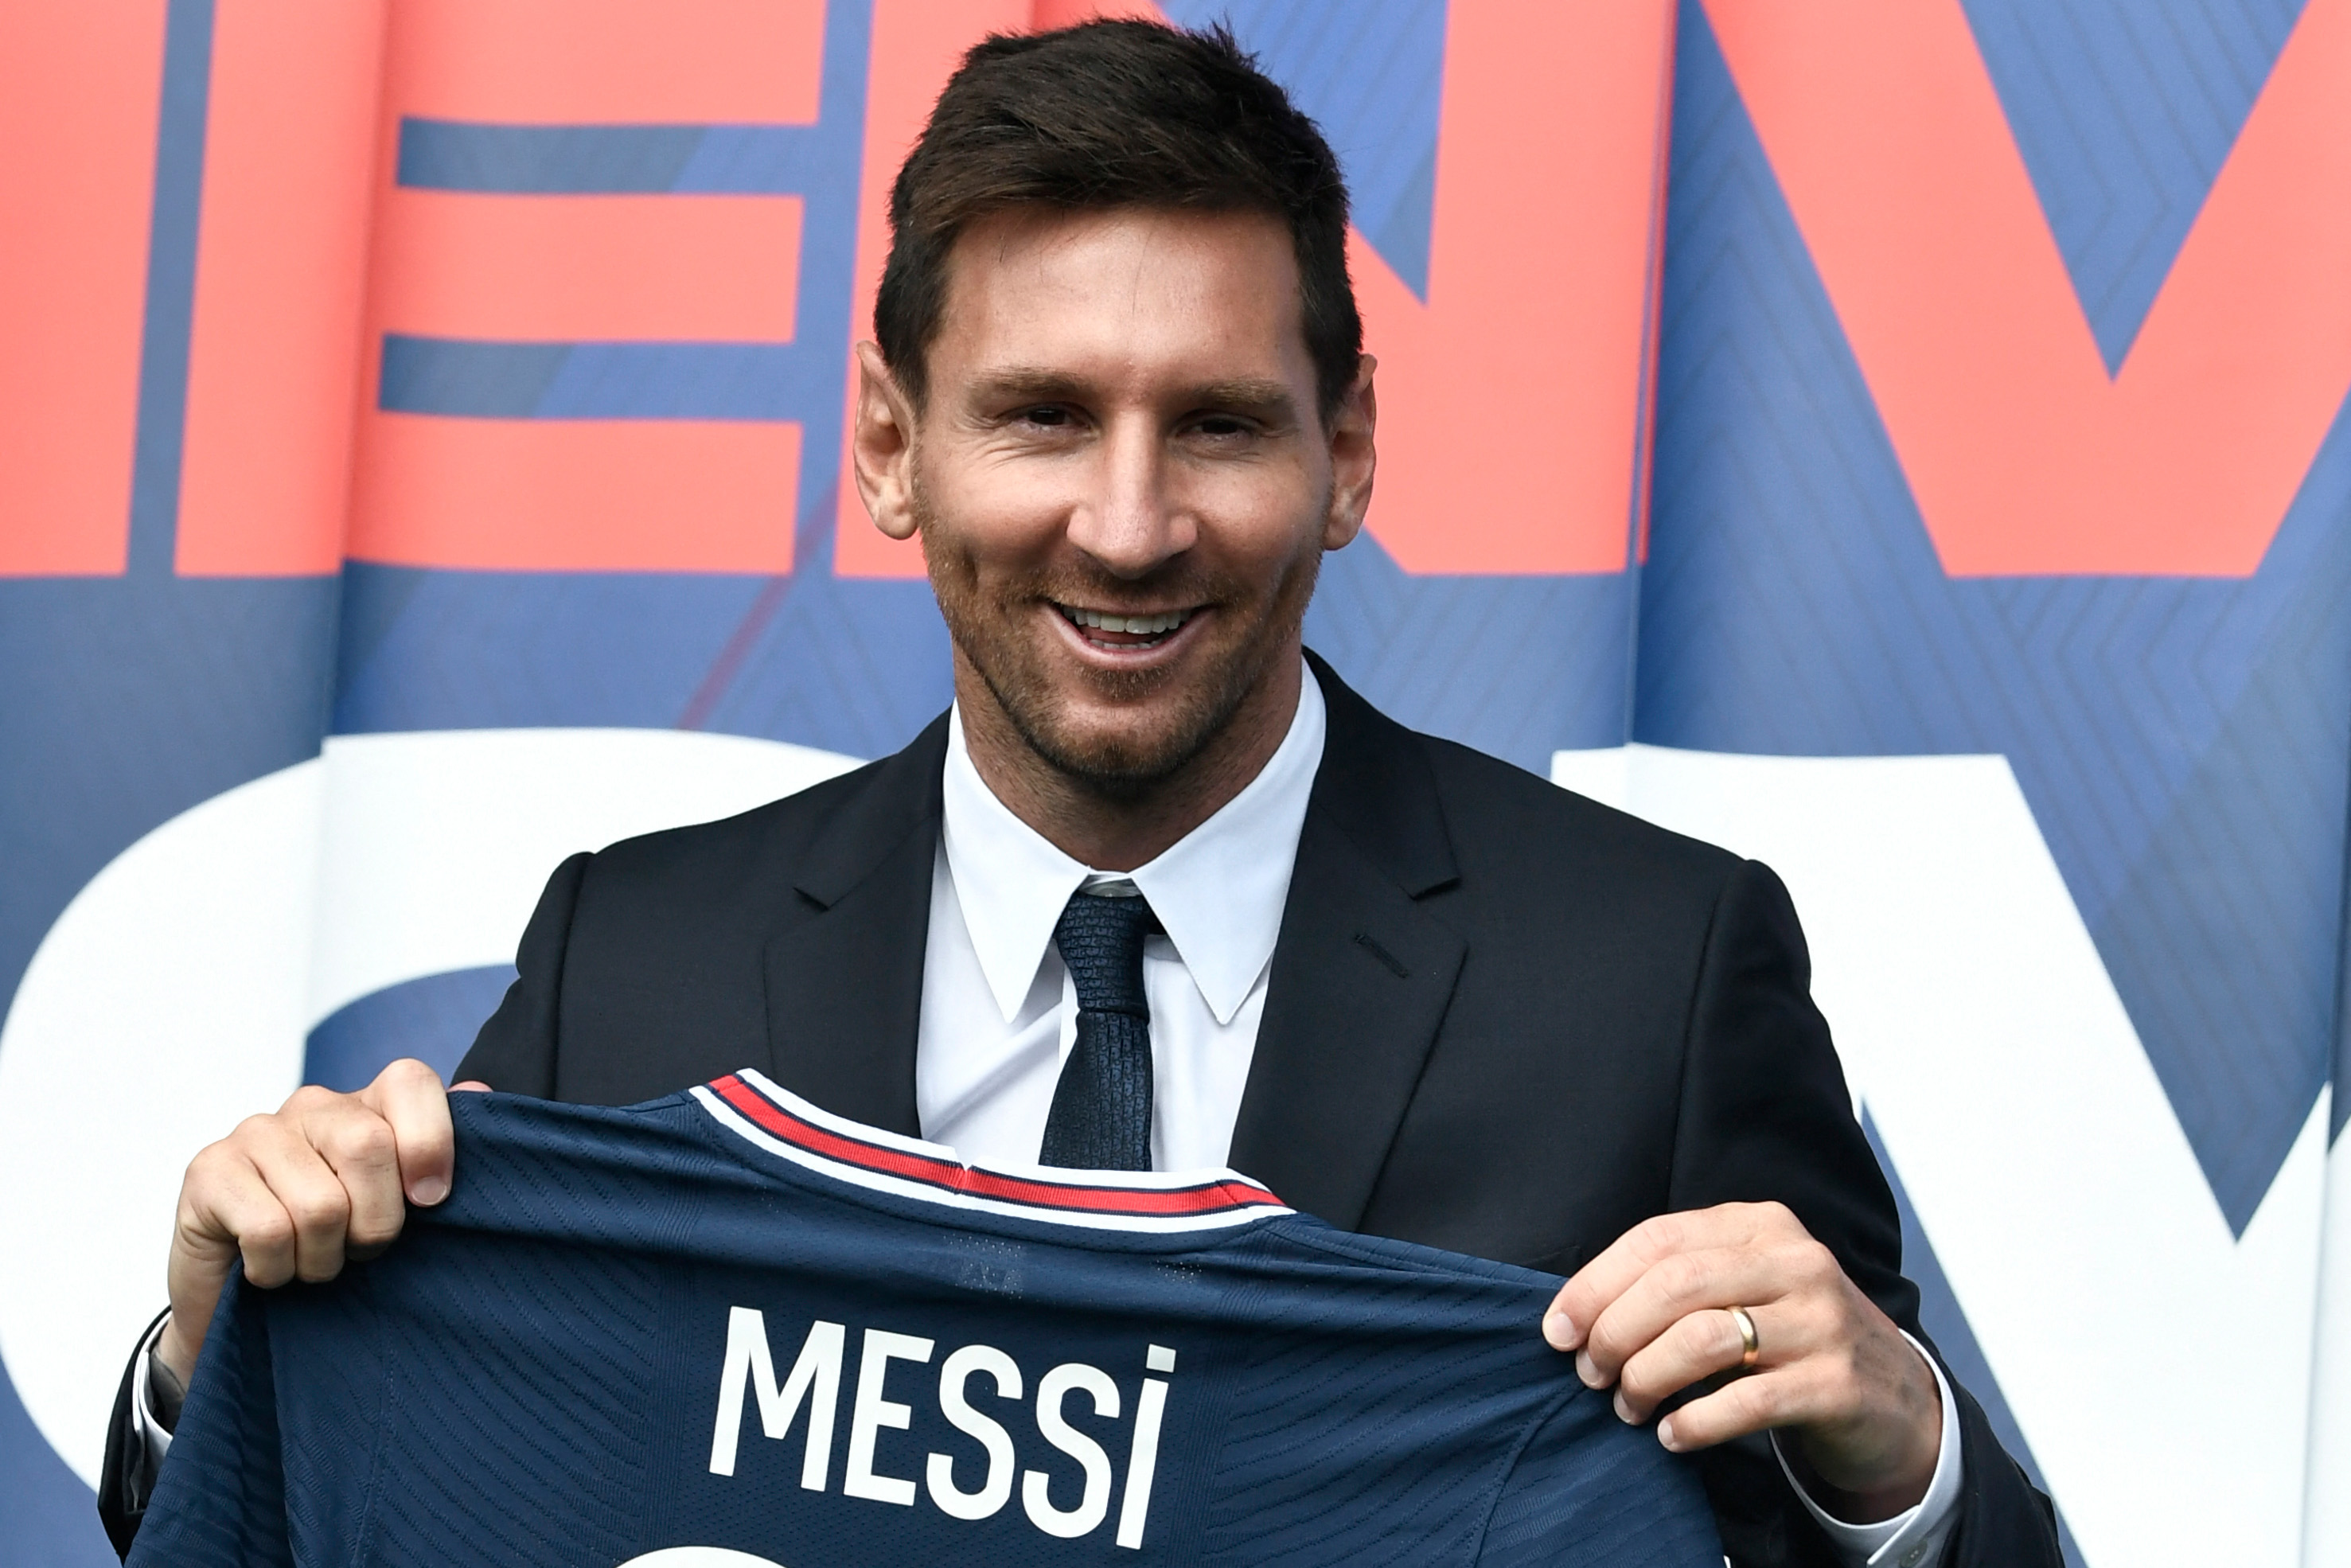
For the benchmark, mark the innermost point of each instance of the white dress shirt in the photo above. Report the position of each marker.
(1001, 1011)
(999, 1016)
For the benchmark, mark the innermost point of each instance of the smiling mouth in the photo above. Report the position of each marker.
(1107, 630)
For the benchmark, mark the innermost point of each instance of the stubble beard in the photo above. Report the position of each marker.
(989, 628)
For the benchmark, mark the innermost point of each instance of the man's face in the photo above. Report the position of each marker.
(1121, 479)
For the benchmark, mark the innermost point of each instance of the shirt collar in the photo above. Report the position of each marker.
(1219, 891)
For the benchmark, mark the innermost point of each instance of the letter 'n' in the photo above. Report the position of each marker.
(816, 1377)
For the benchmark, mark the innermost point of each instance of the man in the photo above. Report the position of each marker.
(1118, 393)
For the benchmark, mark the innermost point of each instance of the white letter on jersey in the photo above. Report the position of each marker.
(1143, 1460)
(872, 1412)
(816, 1375)
(939, 1473)
(1095, 1502)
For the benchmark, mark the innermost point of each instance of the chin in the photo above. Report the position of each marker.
(1128, 752)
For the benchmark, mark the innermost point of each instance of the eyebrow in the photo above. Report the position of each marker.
(1019, 382)
(1266, 399)
(1255, 395)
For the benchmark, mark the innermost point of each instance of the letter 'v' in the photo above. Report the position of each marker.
(2024, 456)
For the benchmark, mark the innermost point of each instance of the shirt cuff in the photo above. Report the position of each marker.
(1915, 1537)
(154, 1438)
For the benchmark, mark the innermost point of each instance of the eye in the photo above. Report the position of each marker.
(1052, 416)
(1222, 426)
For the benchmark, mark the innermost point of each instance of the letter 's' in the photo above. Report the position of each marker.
(1094, 1501)
(996, 1488)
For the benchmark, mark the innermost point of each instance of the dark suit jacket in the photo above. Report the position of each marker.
(1503, 1020)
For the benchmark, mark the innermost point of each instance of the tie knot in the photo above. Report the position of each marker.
(1100, 939)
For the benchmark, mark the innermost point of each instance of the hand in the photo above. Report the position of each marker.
(296, 1193)
(1648, 1316)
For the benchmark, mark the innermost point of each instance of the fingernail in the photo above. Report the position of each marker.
(1624, 1411)
(429, 1190)
(1588, 1369)
(1560, 1330)
(1665, 1435)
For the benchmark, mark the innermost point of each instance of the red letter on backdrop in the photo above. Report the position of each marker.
(2025, 457)
(273, 357)
(557, 495)
(1514, 417)
(1514, 405)
(79, 88)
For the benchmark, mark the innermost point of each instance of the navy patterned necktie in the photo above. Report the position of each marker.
(1100, 1118)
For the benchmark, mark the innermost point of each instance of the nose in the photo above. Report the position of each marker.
(1129, 521)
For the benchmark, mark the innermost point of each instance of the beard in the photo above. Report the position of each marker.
(1177, 710)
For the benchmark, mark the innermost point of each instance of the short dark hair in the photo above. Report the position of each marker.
(1114, 114)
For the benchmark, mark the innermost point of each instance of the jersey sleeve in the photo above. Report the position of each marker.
(1588, 1491)
(220, 1500)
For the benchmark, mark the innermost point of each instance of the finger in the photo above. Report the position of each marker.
(1787, 1396)
(358, 1146)
(313, 1196)
(409, 1095)
(1595, 1287)
(1671, 1290)
(1699, 1346)
(221, 1199)
(225, 1206)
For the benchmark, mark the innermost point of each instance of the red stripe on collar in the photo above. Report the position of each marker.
(1218, 1196)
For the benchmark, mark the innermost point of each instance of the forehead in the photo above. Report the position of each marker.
(1125, 294)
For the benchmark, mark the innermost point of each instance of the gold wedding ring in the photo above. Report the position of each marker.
(1752, 1349)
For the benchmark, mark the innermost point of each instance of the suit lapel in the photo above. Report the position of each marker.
(1362, 975)
(844, 980)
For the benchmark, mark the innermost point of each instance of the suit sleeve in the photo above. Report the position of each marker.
(1766, 1116)
(516, 1049)
(126, 1476)
(1765, 1112)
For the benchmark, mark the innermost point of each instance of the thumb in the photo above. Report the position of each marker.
(408, 1095)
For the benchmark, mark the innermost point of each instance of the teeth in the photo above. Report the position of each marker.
(1148, 625)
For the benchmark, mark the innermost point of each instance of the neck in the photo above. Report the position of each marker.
(1120, 830)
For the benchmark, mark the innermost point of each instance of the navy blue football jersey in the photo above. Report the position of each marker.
(728, 1328)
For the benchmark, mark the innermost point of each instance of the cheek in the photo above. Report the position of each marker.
(1259, 536)
(993, 518)
(1265, 504)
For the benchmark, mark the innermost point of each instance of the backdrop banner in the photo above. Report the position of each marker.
(1896, 441)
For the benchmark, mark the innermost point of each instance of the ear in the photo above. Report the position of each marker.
(882, 445)
(1352, 458)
